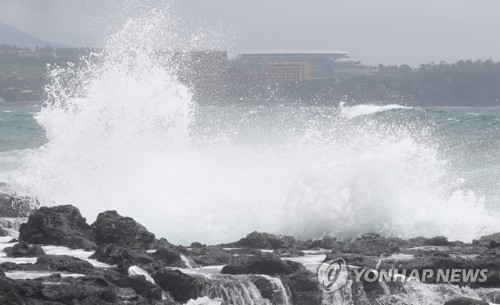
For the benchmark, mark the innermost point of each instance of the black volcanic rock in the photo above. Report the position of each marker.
(326, 242)
(22, 249)
(169, 257)
(373, 245)
(119, 277)
(114, 255)
(304, 288)
(180, 286)
(161, 243)
(8, 292)
(465, 301)
(197, 245)
(438, 241)
(63, 263)
(491, 241)
(263, 263)
(112, 228)
(258, 240)
(97, 287)
(89, 290)
(60, 225)
(145, 288)
(265, 287)
(210, 255)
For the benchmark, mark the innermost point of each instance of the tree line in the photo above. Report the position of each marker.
(464, 83)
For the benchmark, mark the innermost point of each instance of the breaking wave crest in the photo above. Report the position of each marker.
(123, 133)
(367, 109)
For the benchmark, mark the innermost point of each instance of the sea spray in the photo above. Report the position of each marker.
(124, 134)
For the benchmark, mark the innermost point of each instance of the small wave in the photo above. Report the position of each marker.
(204, 301)
(366, 109)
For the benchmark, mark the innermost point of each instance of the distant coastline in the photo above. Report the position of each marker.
(216, 79)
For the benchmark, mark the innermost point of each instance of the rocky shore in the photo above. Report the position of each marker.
(58, 258)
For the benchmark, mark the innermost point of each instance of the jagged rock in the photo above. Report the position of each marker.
(372, 245)
(120, 277)
(104, 287)
(197, 245)
(145, 288)
(416, 241)
(8, 293)
(257, 240)
(210, 255)
(266, 289)
(438, 241)
(169, 257)
(63, 263)
(161, 243)
(326, 242)
(22, 249)
(112, 228)
(263, 263)
(179, 285)
(114, 255)
(465, 301)
(304, 287)
(60, 225)
(491, 241)
(78, 290)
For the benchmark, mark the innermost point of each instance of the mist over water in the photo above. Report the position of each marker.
(123, 133)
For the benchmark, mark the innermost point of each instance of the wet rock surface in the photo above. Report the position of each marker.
(260, 268)
(465, 301)
(263, 263)
(116, 255)
(61, 225)
(259, 240)
(112, 228)
(22, 249)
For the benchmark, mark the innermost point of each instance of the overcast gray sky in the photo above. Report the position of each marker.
(374, 31)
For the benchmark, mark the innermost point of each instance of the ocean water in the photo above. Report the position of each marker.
(305, 171)
(119, 131)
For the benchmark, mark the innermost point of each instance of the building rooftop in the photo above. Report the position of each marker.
(297, 53)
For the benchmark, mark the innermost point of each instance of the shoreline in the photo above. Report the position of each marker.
(117, 260)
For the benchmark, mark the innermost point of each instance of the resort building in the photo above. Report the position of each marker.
(286, 67)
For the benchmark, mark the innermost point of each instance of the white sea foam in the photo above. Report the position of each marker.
(78, 253)
(22, 275)
(366, 109)
(204, 301)
(124, 134)
(135, 270)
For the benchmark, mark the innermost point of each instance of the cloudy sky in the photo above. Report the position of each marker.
(374, 31)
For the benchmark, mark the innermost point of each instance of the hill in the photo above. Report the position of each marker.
(12, 36)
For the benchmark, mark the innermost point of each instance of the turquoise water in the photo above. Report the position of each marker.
(453, 151)
(18, 132)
